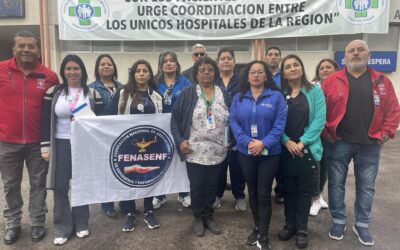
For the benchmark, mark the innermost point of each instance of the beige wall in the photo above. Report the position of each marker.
(394, 11)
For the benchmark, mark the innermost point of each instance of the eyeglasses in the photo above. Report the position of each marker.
(253, 73)
(203, 70)
(201, 54)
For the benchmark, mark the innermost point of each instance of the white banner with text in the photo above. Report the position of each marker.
(218, 19)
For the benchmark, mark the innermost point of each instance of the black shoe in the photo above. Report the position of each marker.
(286, 233)
(302, 239)
(228, 186)
(37, 233)
(198, 227)
(263, 243)
(279, 199)
(151, 220)
(11, 235)
(110, 213)
(129, 224)
(214, 228)
(252, 239)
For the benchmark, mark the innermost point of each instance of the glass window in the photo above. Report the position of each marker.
(139, 46)
(67, 45)
(236, 45)
(312, 43)
(340, 42)
(385, 42)
(106, 46)
(176, 46)
(285, 44)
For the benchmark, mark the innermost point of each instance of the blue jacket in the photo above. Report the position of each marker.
(271, 112)
(103, 91)
(316, 123)
(181, 83)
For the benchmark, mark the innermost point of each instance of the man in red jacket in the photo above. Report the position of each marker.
(362, 114)
(23, 83)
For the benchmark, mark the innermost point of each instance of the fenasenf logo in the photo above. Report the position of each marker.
(141, 156)
(361, 11)
(84, 15)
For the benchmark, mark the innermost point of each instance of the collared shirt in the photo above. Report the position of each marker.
(277, 78)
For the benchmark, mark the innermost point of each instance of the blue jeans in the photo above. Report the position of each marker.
(366, 164)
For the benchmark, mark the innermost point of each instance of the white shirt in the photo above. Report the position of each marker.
(63, 113)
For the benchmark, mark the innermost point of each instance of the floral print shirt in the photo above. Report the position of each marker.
(208, 144)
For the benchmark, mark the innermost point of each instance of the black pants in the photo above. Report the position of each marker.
(203, 188)
(129, 206)
(320, 176)
(66, 219)
(279, 186)
(237, 179)
(259, 173)
(298, 189)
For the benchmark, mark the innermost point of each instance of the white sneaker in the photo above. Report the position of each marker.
(322, 202)
(186, 201)
(157, 203)
(58, 241)
(83, 233)
(315, 207)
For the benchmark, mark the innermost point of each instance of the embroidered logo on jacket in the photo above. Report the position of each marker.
(41, 84)
(267, 105)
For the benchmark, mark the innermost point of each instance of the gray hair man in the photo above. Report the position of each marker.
(362, 113)
(198, 51)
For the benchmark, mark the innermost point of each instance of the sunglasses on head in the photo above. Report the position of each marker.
(199, 54)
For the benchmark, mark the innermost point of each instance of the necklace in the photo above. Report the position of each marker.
(140, 106)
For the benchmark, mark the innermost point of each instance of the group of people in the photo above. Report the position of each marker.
(268, 122)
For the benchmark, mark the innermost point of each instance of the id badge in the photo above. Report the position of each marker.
(226, 136)
(254, 131)
(210, 122)
(377, 100)
(265, 152)
(167, 99)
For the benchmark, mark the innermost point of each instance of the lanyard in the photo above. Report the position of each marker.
(170, 89)
(111, 92)
(253, 118)
(168, 94)
(253, 126)
(207, 102)
(72, 103)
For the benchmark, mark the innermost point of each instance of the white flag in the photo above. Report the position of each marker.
(124, 157)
